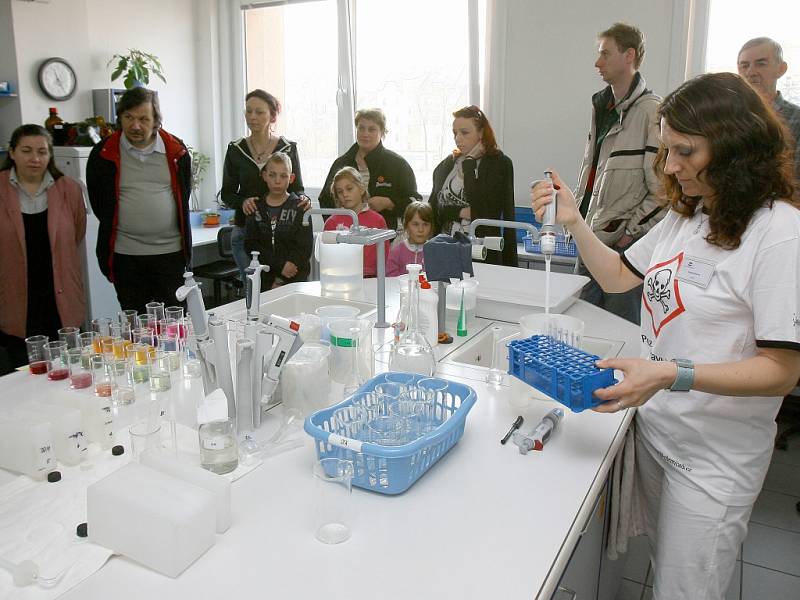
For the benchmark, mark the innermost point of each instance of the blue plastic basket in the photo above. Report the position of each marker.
(563, 248)
(394, 469)
(561, 371)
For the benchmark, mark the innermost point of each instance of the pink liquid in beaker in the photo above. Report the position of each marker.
(57, 374)
(102, 389)
(38, 367)
(80, 380)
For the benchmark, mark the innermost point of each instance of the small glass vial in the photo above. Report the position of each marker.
(218, 450)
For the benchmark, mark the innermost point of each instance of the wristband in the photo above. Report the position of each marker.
(685, 377)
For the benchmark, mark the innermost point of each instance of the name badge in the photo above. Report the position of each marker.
(697, 271)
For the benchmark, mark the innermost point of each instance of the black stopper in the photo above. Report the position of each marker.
(117, 450)
(54, 476)
(82, 530)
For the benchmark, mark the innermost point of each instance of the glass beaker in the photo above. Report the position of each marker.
(70, 336)
(332, 509)
(219, 452)
(55, 353)
(412, 353)
(36, 360)
(79, 376)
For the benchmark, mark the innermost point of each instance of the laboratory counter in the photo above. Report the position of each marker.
(484, 522)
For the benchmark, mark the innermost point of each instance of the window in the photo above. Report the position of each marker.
(411, 58)
(291, 53)
(733, 22)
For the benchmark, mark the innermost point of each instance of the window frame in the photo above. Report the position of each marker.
(235, 127)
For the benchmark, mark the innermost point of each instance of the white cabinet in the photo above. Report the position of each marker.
(101, 298)
(581, 579)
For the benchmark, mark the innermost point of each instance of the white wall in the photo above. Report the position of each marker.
(42, 31)
(9, 107)
(87, 33)
(550, 49)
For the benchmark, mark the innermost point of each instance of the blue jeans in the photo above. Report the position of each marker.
(239, 255)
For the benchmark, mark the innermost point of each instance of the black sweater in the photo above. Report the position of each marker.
(292, 241)
(389, 175)
(490, 196)
(241, 177)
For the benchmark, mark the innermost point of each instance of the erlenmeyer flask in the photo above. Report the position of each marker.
(413, 353)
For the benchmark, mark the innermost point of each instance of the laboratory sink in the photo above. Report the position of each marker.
(478, 351)
(297, 303)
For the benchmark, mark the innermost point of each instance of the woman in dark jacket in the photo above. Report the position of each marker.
(242, 184)
(475, 182)
(392, 185)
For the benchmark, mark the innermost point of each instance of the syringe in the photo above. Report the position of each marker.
(547, 242)
(536, 439)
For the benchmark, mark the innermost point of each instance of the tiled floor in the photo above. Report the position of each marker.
(770, 565)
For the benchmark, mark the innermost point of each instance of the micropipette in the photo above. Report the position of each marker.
(536, 439)
(253, 285)
(547, 242)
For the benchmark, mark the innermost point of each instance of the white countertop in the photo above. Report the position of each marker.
(204, 235)
(485, 522)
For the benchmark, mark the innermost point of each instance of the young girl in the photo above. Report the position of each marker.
(276, 228)
(418, 224)
(350, 191)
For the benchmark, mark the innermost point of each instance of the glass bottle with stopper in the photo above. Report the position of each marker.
(412, 353)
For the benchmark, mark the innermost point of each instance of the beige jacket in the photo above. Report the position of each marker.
(625, 186)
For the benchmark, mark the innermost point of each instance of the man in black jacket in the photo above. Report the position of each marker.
(139, 181)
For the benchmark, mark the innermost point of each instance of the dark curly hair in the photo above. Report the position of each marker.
(751, 159)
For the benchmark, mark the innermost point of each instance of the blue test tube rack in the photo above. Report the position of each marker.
(563, 372)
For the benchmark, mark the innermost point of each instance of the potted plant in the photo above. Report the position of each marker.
(137, 66)
(200, 163)
(226, 212)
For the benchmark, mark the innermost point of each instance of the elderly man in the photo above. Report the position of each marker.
(139, 184)
(617, 186)
(761, 63)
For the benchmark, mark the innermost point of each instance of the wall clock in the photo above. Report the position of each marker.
(57, 78)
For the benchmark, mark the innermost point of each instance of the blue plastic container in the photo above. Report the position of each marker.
(524, 214)
(394, 469)
(561, 371)
(563, 248)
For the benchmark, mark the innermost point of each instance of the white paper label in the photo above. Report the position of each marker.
(343, 442)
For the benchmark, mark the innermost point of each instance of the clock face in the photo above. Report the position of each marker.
(57, 79)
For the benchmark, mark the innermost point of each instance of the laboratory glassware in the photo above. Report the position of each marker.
(36, 360)
(55, 353)
(412, 353)
(333, 479)
(218, 449)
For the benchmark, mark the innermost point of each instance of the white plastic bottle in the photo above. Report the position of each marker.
(428, 311)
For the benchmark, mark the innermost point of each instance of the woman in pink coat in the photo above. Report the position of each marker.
(42, 224)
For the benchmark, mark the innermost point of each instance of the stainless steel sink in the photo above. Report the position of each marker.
(297, 303)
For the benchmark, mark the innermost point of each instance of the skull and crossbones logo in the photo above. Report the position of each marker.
(657, 288)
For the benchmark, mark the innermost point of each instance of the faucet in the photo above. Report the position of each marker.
(363, 236)
(480, 245)
(330, 211)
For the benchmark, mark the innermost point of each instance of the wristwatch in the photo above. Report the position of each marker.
(685, 378)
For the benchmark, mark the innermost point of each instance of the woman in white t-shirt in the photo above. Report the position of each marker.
(720, 325)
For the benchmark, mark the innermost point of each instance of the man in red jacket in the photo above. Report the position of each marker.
(139, 184)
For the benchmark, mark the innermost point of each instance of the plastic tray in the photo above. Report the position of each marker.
(394, 469)
(563, 248)
(566, 374)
